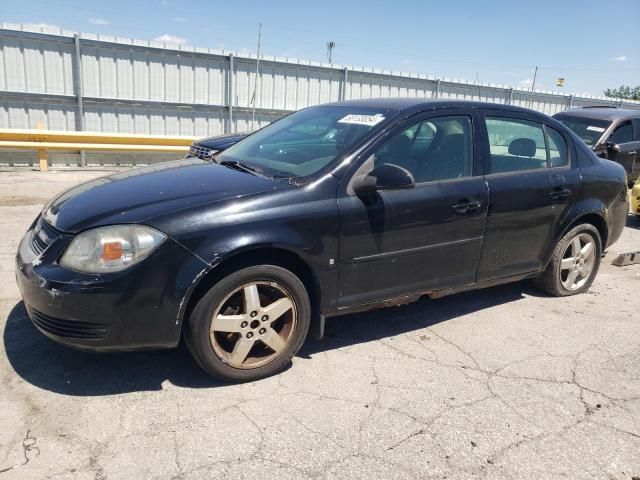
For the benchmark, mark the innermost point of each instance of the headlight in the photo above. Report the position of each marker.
(110, 249)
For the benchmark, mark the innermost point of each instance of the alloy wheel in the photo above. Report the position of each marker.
(578, 261)
(253, 324)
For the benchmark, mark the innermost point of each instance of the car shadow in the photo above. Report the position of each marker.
(50, 366)
(346, 330)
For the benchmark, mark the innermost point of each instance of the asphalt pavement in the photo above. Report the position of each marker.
(500, 383)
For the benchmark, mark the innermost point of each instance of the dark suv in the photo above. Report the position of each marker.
(206, 148)
(613, 133)
(334, 209)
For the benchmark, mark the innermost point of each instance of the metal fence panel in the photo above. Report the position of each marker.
(136, 86)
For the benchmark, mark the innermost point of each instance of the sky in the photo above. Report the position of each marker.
(593, 45)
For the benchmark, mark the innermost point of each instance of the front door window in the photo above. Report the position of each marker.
(432, 150)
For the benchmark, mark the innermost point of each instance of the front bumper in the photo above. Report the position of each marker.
(138, 308)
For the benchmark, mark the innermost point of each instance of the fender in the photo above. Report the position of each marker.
(320, 282)
(217, 234)
(583, 208)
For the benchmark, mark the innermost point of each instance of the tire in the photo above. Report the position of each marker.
(242, 324)
(556, 278)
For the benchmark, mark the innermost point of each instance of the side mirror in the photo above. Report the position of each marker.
(384, 177)
(611, 147)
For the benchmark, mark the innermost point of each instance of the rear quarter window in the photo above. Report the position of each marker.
(558, 151)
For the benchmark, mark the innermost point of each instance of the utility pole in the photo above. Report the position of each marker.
(255, 84)
(79, 89)
(330, 47)
(533, 85)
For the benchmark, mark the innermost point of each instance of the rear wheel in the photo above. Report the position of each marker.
(250, 324)
(574, 263)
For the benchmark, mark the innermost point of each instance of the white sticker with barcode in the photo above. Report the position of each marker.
(368, 120)
(595, 129)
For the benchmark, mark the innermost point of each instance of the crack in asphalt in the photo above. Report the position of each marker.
(373, 406)
(28, 445)
(387, 417)
(492, 459)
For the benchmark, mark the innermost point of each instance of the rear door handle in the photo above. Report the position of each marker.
(466, 206)
(559, 193)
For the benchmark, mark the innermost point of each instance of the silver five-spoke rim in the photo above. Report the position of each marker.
(578, 261)
(253, 324)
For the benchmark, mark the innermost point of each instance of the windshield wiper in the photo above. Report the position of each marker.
(242, 166)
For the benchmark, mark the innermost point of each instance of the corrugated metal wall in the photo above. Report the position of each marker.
(133, 86)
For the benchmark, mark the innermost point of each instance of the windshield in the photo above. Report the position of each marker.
(588, 129)
(307, 141)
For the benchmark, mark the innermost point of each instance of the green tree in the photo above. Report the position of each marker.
(624, 92)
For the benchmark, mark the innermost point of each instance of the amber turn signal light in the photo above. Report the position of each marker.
(111, 251)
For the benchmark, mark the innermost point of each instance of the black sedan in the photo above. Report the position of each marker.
(334, 209)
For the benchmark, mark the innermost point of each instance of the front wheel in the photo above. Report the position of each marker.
(574, 263)
(250, 324)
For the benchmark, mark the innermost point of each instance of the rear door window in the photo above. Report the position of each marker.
(515, 145)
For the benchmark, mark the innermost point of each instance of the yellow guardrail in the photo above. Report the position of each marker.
(44, 140)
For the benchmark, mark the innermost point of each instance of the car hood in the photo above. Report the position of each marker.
(143, 193)
(221, 142)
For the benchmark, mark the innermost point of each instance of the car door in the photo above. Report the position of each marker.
(398, 242)
(623, 148)
(532, 184)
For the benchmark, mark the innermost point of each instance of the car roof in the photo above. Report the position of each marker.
(417, 104)
(602, 113)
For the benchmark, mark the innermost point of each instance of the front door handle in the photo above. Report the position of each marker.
(560, 193)
(466, 206)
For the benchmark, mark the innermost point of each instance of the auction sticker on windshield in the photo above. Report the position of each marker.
(368, 120)
(595, 129)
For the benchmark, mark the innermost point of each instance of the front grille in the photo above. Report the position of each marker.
(37, 244)
(68, 328)
(42, 236)
(201, 152)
